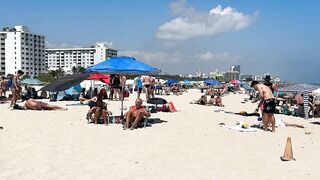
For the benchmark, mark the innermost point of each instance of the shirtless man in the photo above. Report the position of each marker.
(146, 80)
(3, 87)
(135, 114)
(16, 88)
(38, 105)
(268, 102)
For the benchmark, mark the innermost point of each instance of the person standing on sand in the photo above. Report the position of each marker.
(3, 87)
(146, 80)
(272, 86)
(16, 88)
(268, 102)
(138, 83)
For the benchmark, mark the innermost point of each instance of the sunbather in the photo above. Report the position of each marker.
(167, 108)
(39, 105)
(135, 114)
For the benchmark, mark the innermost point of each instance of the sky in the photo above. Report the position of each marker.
(281, 37)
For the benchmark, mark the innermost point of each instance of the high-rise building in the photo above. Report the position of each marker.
(231, 75)
(67, 58)
(22, 50)
(235, 68)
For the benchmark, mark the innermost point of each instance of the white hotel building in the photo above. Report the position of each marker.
(22, 50)
(67, 58)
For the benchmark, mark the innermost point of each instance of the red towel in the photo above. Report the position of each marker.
(172, 106)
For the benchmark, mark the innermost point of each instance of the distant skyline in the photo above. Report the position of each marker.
(182, 36)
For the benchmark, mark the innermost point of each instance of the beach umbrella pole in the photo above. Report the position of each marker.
(122, 101)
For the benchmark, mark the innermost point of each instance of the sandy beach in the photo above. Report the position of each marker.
(188, 144)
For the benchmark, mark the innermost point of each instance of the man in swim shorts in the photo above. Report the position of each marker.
(268, 102)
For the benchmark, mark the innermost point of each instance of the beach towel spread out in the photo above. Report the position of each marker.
(240, 129)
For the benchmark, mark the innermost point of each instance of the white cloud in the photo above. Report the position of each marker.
(154, 58)
(108, 44)
(215, 57)
(190, 23)
(62, 45)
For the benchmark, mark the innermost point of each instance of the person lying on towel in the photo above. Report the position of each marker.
(169, 107)
(39, 105)
(135, 114)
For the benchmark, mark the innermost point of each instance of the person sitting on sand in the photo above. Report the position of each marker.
(202, 101)
(39, 105)
(212, 100)
(135, 114)
(98, 107)
(175, 90)
(218, 101)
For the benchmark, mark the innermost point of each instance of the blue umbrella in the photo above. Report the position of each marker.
(186, 82)
(211, 82)
(171, 81)
(122, 65)
(31, 81)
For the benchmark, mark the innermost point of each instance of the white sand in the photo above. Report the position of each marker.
(190, 145)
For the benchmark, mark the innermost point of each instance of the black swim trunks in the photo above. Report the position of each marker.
(147, 85)
(269, 106)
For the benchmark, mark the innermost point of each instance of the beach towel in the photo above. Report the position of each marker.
(238, 128)
(172, 106)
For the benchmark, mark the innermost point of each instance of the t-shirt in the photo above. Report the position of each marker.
(138, 82)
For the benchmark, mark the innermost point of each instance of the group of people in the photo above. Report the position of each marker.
(148, 84)
(214, 100)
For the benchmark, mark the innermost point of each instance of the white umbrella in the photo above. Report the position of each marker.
(317, 91)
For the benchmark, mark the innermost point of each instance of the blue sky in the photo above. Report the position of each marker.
(182, 36)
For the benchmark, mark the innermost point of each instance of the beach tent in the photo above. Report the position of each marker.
(171, 81)
(211, 82)
(299, 88)
(124, 66)
(31, 81)
(72, 91)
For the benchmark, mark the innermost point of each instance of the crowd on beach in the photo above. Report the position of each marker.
(266, 93)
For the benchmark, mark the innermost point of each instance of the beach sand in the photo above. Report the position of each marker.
(188, 144)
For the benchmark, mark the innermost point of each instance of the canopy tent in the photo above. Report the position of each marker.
(31, 81)
(211, 82)
(299, 88)
(171, 81)
(123, 65)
